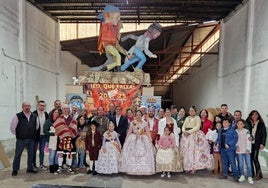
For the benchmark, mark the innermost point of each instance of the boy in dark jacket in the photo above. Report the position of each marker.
(227, 140)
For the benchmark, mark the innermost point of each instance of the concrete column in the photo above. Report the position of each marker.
(22, 73)
(248, 59)
(220, 66)
(58, 48)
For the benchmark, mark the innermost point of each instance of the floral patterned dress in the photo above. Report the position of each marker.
(195, 149)
(108, 162)
(137, 157)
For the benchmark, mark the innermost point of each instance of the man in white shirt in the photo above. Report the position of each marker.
(41, 138)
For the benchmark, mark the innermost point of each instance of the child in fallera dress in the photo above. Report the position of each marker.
(93, 145)
(243, 151)
(212, 136)
(166, 156)
(108, 161)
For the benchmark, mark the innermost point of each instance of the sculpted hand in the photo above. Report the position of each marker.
(153, 56)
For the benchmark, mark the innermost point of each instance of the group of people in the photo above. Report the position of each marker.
(140, 142)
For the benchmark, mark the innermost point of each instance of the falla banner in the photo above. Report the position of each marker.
(102, 94)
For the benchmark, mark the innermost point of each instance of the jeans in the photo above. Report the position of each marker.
(81, 156)
(53, 157)
(139, 56)
(245, 157)
(42, 144)
(20, 145)
(228, 157)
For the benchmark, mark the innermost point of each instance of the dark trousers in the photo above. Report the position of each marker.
(42, 143)
(255, 164)
(20, 145)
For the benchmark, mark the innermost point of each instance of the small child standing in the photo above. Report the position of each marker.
(166, 155)
(243, 151)
(93, 145)
(212, 136)
(108, 162)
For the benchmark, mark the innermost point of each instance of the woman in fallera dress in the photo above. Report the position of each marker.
(194, 146)
(137, 157)
(108, 161)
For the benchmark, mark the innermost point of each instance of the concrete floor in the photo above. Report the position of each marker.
(202, 178)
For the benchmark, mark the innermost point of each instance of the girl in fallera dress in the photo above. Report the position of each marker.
(137, 157)
(108, 161)
(171, 123)
(166, 154)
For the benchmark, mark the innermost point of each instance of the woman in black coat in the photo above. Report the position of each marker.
(258, 131)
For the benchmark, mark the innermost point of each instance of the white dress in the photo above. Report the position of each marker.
(137, 157)
(108, 162)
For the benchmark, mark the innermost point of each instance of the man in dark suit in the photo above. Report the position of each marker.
(121, 124)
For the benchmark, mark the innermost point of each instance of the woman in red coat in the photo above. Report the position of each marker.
(93, 145)
(205, 122)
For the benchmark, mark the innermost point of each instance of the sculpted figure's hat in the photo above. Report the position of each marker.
(108, 9)
(156, 26)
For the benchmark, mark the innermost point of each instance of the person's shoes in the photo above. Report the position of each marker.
(230, 172)
(34, 167)
(70, 170)
(14, 173)
(223, 177)
(43, 167)
(168, 175)
(86, 165)
(250, 180)
(94, 173)
(236, 180)
(59, 171)
(163, 174)
(51, 169)
(104, 68)
(258, 177)
(83, 170)
(31, 171)
(242, 178)
(117, 69)
(89, 171)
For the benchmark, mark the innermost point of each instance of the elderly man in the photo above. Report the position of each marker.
(24, 125)
(66, 130)
(102, 120)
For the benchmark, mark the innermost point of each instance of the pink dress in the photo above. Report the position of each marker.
(166, 155)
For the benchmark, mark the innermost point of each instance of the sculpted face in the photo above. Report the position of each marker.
(112, 17)
(156, 33)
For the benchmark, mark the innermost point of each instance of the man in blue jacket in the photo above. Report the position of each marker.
(227, 140)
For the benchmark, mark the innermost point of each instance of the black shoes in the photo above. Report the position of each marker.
(31, 171)
(89, 171)
(14, 173)
(94, 173)
(223, 177)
